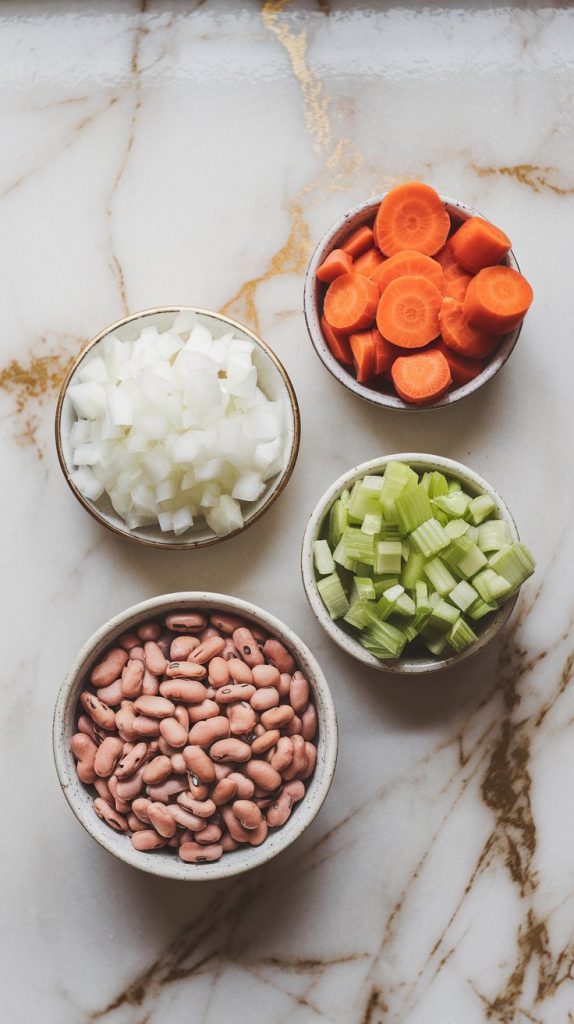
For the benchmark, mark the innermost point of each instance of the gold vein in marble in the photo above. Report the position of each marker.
(533, 176)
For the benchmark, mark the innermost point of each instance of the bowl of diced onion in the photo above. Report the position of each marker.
(177, 427)
(413, 563)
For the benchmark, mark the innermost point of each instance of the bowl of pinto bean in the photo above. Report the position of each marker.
(195, 736)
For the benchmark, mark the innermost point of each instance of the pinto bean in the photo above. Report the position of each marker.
(265, 698)
(280, 810)
(199, 763)
(154, 707)
(224, 791)
(218, 672)
(147, 840)
(178, 764)
(265, 741)
(179, 622)
(185, 669)
(229, 651)
(239, 671)
(182, 646)
(157, 771)
(108, 754)
(129, 640)
(241, 717)
(299, 692)
(149, 631)
(162, 792)
(207, 732)
(201, 712)
(277, 718)
(154, 659)
(225, 623)
(109, 668)
(230, 750)
(172, 732)
(245, 787)
(299, 762)
(278, 655)
(99, 712)
(124, 721)
(247, 813)
(266, 675)
(85, 749)
(283, 755)
(309, 722)
(132, 679)
(111, 695)
(231, 694)
(188, 690)
(262, 774)
(107, 813)
(247, 646)
(210, 834)
(162, 820)
(194, 853)
(210, 648)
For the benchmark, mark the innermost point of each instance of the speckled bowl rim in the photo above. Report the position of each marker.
(169, 543)
(403, 666)
(168, 865)
(354, 218)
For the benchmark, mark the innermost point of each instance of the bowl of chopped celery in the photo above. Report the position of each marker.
(413, 563)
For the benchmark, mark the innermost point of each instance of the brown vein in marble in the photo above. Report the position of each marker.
(533, 176)
(316, 104)
(32, 384)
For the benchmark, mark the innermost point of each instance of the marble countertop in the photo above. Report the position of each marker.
(193, 153)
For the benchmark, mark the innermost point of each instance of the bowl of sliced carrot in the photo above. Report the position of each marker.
(414, 300)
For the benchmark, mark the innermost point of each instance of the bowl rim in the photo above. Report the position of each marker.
(168, 544)
(158, 863)
(402, 666)
(312, 319)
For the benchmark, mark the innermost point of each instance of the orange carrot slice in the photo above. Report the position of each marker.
(421, 377)
(368, 263)
(497, 300)
(351, 303)
(445, 256)
(411, 216)
(458, 334)
(338, 343)
(456, 281)
(407, 314)
(385, 354)
(358, 241)
(462, 370)
(364, 348)
(478, 244)
(336, 263)
(409, 263)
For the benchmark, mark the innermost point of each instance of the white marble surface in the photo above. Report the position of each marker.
(192, 153)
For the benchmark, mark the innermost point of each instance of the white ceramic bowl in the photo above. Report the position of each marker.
(273, 380)
(166, 863)
(474, 484)
(315, 290)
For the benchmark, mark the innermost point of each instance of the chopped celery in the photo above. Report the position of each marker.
(365, 497)
(390, 531)
(412, 570)
(375, 648)
(411, 632)
(493, 535)
(324, 563)
(453, 505)
(338, 519)
(456, 527)
(425, 481)
(472, 533)
(443, 617)
(491, 586)
(345, 495)
(405, 606)
(372, 523)
(356, 615)
(406, 549)
(515, 564)
(359, 545)
(365, 588)
(454, 485)
(397, 478)
(438, 484)
(413, 508)
(342, 558)
(479, 609)
(333, 595)
(384, 582)
(463, 595)
(390, 637)
(437, 645)
(464, 557)
(442, 580)
(388, 601)
(388, 556)
(461, 635)
(429, 538)
(480, 508)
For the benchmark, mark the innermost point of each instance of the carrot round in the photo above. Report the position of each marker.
(369, 262)
(411, 216)
(351, 303)
(364, 348)
(456, 282)
(445, 257)
(460, 336)
(337, 262)
(421, 377)
(409, 263)
(358, 241)
(385, 353)
(338, 344)
(462, 370)
(497, 300)
(478, 244)
(407, 314)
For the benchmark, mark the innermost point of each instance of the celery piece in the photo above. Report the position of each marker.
(412, 570)
(429, 538)
(384, 582)
(345, 496)
(372, 523)
(437, 572)
(434, 599)
(376, 649)
(461, 635)
(365, 588)
(441, 517)
(333, 596)
(359, 545)
(515, 564)
(390, 531)
(391, 638)
(480, 508)
(493, 535)
(442, 617)
(362, 568)
(491, 586)
(425, 481)
(405, 606)
(453, 505)
(323, 558)
(356, 616)
(413, 508)
(436, 646)
(480, 608)
(341, 557)
(438, 484)
(465, 557)
(398, 477)
(456, 528)
(454, 485)
(388, 556)
(365, 497)
(472, 533)
(421, 593)
(405, 549)
(410, 630)
(338, 519)
(386, 604)
(463, 595)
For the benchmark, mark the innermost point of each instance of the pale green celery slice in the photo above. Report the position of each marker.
(413, 508)
(356, 615)
(365, 588)
(342, 558)
(358, 545)
(410, 630)
(480, 608)
(372, 523)
(389, 637)
(438, 484)
(345, 495)
(323, 558)
(472, 533)
(456, 528)
(388, 556)
(338, 519)
(436, 646)
(385, 582)
(398, 476)
(481, 508)
(361, 568)
(453, 505)
(454, 485)
(491, 586)
(406, 548)
(461, 635)
(376, 649)
(333, 595)
(405, 606)
(390, 531)
(441, 578)
(515, 564)
(387, 603)
(493, 535)
(365, 497)
(442, 617)
(441, 517)
(412, 570)
(425, 481)
(434, 598)
(463, 595)
(429, 538)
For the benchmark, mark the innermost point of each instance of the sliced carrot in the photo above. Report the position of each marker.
(337, 262)
(421, 377)
(351, 303)
(458, 334)
(478, 244)
(445, 256)
(407, 314)
(409, 263)
(368, 263)
(385, 353)
(358, 241)
(338, 343)
(456, 282)
(364, 348)
(497, 299)
(462, 370)
(411, 216)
